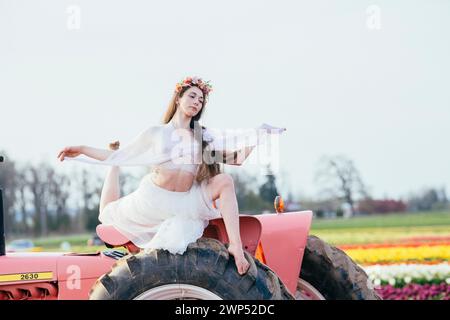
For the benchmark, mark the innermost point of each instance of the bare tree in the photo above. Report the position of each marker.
(41, 179)
(41, 199)
(8, 182)
(23, 200)
(339, 178)
(89, 186)
(59, 186)
(37, 177)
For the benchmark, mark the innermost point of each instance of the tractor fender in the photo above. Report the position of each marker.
(250, 231)
(283, 239)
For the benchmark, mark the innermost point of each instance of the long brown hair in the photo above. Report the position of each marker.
(205, 171)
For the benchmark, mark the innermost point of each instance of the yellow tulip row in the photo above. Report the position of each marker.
(398, 254)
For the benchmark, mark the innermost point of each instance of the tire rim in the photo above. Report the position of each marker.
(177, 292)
(306, 291)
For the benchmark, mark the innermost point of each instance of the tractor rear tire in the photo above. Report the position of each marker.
(205, 271)
(334, 274)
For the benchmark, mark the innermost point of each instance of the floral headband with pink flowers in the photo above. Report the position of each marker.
(194, 81)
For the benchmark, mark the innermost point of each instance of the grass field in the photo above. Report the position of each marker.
(385, 221)
(391, 228)
(381, 235)
(78, 243)
(55, 241)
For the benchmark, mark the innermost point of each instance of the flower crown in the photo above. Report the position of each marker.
(194, 81)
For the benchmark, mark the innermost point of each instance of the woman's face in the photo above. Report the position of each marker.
(191, 102)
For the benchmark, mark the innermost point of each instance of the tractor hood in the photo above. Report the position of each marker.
(28, 267)
(51, 266)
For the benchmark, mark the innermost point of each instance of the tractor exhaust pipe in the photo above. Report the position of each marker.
(2, 226)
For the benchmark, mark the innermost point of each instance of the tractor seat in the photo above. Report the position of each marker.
(111, 235)
(113, 238)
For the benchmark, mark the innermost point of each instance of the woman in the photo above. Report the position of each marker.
(175, 201)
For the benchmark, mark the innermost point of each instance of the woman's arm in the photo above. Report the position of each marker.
(95, 153)
(75, 151)
(138, 152)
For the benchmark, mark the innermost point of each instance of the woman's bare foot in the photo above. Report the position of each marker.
(242, 264)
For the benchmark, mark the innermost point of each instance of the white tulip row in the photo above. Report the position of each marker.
(408, 273)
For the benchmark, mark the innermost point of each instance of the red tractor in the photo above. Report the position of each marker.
(285, 264)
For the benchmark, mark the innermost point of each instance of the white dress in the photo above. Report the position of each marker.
(155, 218)
(151, 216)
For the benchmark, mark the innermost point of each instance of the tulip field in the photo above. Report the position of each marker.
(409, 262)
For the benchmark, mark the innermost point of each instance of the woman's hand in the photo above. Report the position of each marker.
(70, 152)
(237, 252)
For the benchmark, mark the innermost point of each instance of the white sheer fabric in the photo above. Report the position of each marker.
(153, 217)
(160, 143)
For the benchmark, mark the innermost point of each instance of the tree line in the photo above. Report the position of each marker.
(39, 200)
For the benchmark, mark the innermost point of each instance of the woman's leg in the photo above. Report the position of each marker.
(222, 186)
(111, 188)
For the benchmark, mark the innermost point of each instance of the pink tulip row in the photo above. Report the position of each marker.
(415, 292)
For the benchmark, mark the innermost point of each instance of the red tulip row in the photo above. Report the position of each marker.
(392, 245)
(415, 292)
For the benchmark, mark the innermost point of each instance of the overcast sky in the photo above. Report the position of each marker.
(366, 79)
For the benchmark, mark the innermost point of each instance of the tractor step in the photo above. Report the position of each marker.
(115, 254)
